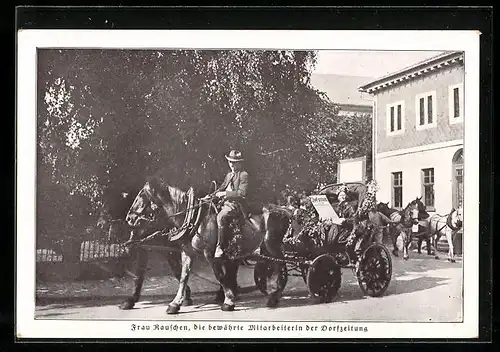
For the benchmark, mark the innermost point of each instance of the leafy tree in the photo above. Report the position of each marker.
(107, 119)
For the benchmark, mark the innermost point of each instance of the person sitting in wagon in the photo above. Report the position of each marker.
(367, 214)
(345, 210)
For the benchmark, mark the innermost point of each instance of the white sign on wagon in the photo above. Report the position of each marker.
(324, 208)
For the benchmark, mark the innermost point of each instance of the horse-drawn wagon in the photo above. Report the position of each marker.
(183, 225)
(309, 254)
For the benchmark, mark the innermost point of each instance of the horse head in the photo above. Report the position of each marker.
(383, 208)
(419, 209)
(457, 217)
(157, 206)
(410, 214)
(142, 209)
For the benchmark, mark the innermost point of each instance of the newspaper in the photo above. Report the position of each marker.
(324, 209)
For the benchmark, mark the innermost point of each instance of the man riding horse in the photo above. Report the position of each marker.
(233, 191)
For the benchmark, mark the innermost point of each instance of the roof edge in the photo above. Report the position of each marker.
(431, 64)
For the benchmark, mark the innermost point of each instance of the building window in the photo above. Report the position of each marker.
(397, 189)
(428, 188)
(456, 103)
(425, 106)
(395, 118)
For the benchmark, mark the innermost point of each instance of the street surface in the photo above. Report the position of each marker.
(422, 289)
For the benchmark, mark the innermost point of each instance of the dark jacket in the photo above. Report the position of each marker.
(345, 210)
(239, 184)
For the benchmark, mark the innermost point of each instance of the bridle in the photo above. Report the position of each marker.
(155, 207)
(150, 216)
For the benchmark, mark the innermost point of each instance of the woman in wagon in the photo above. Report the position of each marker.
(345, 210)
(367, 214)
(233, 191)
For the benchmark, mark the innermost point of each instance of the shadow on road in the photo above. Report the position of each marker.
(408, 276)
(49, 303)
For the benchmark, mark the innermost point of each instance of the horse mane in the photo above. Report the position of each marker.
(160, 182)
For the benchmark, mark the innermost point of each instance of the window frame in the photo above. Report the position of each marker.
(451, 103)
(425, 96)
(424, 184)
(393, 189)
(388, 118)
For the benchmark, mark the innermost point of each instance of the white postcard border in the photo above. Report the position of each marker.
(30, 40)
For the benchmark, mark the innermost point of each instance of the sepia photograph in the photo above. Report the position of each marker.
(264, 184)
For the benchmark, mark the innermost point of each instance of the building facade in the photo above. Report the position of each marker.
(418, 133)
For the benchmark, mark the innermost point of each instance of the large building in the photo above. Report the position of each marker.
(418, 133)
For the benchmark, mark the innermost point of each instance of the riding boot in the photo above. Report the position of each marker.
(219, 249)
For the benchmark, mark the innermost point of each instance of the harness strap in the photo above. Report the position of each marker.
(437, 223)
(188, 219)
(450, 224)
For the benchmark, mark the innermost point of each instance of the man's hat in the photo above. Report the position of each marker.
(234, 155)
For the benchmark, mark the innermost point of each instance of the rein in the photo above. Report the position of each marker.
(191, 221)
(201, 202)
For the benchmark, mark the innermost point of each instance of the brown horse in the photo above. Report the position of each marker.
(119, 231)
(160, 206)
(410, 222)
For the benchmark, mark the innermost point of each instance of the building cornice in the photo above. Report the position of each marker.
(355, 107)
(421, 69)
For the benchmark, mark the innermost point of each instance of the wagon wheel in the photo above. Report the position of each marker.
(374, 270)
(263, 271)
(324, 278)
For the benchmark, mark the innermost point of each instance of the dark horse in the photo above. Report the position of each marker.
(163, 207)
(411, 221)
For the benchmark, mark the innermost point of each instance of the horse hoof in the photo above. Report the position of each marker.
(436, 257)
(227, 307)
(272, 302)
(173, 308)
(451, 260)
(395, 254)
(128, 304)
(187, 302)
(405, 258)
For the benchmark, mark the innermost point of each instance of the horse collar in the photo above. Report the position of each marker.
(450, 223)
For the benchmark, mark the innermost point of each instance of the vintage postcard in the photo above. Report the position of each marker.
(166, 179)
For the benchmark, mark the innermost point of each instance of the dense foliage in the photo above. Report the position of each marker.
(107, 119)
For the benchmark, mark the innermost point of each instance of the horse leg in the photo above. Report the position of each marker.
(232, 275)
(419, 245)
(394, 233)
(174, 261)
(451, 252)
(406, 243)
(272, 244)
(187, 265)
(141, 258)
(219, 295)
(436, 238)
(429, 246)
(220, 271)
(219, 268)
